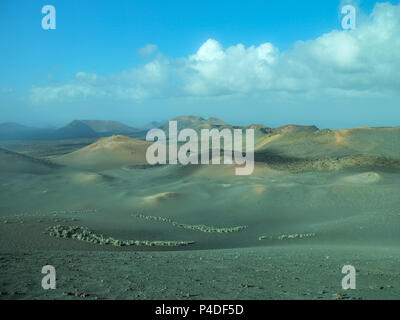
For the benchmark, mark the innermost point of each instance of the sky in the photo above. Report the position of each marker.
(268, 62)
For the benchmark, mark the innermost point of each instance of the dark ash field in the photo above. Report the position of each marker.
(116, 228)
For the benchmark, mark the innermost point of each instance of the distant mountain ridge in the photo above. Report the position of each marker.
(15, 131)
(105, 128)
(293, 140)
(198, 123)
(73, 130)
(109, 126)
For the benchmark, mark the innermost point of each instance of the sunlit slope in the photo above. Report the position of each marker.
(108, 153)
(305, 147)
(374, 142)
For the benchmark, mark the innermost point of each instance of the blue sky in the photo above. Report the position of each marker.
(90, 66)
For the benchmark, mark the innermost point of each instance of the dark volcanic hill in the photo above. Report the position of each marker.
(11, 162)
(75, 129)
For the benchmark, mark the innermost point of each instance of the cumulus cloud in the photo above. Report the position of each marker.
(344, 62)
(148, 50)
(215, 71)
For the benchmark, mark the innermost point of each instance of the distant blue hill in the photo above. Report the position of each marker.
(75, 129)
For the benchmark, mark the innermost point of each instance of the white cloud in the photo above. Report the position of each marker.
(148, 50)
(214, 71)
(344, 62)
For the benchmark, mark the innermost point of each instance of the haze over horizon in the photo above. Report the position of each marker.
(163, 123)
(244, 63)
